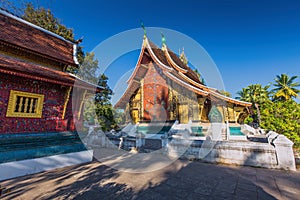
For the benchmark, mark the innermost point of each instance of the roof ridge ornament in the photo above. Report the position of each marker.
(183, 57)
(144, 29)
(163, 40)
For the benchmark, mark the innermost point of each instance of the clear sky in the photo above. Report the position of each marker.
(251, 41)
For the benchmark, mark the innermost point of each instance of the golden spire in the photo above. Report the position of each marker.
(183, 58)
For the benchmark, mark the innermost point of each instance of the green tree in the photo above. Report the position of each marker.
(104, 96)
(44, 18)
(104, 109)
(225, 93)
(285, 87)
(256, 94)
(282, 117)
(99, 107)
(88, 68)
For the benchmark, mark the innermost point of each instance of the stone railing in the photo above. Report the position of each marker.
(277, 153)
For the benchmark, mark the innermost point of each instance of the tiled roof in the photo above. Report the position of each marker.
(158, 53)
(22, 34)
(17, 67)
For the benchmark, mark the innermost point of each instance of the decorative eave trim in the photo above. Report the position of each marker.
(36, 53)
(194, 82)
(14, 73)
(75, 54)
(194, 89)
(81, 80)
(231, 100)
(34, 77)
(138, 62)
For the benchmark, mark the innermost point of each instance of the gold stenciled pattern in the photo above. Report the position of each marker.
(25, 104)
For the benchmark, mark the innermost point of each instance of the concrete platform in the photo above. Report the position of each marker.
(31, 166)
(180, 180)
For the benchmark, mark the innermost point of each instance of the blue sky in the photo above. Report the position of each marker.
(250, 41)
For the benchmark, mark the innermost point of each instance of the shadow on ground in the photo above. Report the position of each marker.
(181, 180)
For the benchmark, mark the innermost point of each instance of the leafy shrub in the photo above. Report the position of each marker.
(282, 117)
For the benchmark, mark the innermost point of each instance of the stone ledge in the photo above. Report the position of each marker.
(32, 166)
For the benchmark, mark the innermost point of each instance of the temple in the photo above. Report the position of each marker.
(163, 87)
(36, 91)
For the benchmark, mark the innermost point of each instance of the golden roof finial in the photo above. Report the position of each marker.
(183, 58)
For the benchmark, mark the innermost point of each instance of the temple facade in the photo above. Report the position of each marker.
(35, 89)
(163, 87)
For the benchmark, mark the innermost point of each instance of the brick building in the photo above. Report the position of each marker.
(35, 89)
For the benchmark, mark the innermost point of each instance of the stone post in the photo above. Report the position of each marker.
(164, 142)
(272, 136)
(139, 140)
(227, 131)
(284, 152)
(121, 144)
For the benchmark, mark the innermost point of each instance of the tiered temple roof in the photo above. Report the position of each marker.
(174, 69)
(35, 48)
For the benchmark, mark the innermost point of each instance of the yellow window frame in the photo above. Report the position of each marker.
(12, 103)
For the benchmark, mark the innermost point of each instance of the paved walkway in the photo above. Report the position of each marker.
(181, 180)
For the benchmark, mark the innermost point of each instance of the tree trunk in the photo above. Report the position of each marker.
(258, 113)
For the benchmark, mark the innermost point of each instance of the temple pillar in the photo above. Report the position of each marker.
(127, 113)
(237, 112)
(201, 102)
(142, 100)
(171, 104)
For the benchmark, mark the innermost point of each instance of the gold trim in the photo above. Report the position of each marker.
(142, 98)
(81, 104)
(24, 95)
(67, 97)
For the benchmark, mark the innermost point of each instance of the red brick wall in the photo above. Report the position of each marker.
(52, 108)
(155, 95)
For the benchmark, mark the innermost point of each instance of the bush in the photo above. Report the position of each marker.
(282, 117)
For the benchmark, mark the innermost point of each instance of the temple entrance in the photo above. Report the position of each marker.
(183, 114)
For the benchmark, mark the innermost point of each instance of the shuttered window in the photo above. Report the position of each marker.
(25, 104)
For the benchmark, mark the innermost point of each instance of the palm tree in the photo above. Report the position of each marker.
(244, 94)
(285, 87)
(256, 94)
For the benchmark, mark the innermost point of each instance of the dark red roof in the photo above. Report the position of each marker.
(22, 34)
(17, 67)
(191, 74)
(158, 53)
